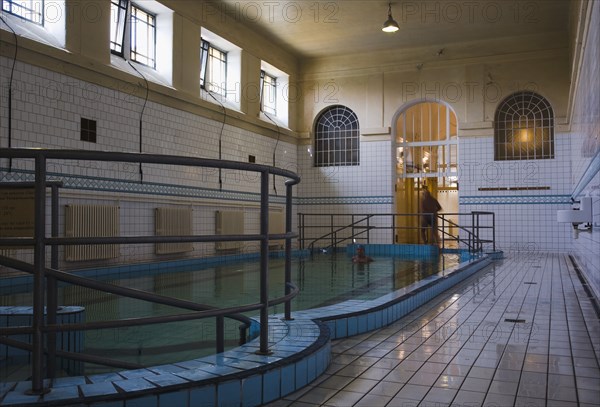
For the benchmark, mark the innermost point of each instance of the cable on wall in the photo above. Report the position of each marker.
(220, 136)
(10, 83)
(141, 115)
(275, 148)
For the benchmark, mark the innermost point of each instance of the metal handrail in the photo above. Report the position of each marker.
(334, 233)
(47, 326)
(473, 240)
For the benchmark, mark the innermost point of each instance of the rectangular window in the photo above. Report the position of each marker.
(88, 130)
(30, 10)
(213, 69)
(143, 37)
(118, 16)
(268, 93)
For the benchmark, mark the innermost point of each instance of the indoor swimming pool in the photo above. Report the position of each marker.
(323, 279)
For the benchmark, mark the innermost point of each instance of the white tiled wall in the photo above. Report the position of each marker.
(525, 219)
(586, 150)
(477, 169)
(47, 108)
(371, 178)
(362, 189)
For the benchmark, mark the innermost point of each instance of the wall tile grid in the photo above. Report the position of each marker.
(362, 189)
(586, 151)
(47, 108)
(525, 219)
(372, 178)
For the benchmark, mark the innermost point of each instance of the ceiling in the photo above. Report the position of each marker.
(316, 29)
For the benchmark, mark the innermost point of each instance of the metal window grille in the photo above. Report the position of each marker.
(427, 141)
(143, 37)
(337, 138)
(524, 128)
(30, 10)
(118, 17)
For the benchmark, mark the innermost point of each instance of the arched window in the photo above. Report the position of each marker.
(524, 128)
(336, 137)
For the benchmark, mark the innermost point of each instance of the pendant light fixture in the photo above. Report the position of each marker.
(390, 26)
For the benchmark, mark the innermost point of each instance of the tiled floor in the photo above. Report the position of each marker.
(521, 332)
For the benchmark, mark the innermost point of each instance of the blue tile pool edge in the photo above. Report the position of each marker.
(369, 315)
(298, 358)
(303, 352)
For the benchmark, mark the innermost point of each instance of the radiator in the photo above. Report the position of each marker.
(276, 225)
(7, 252)
(229, 223)
(173, 222)
(91, 221)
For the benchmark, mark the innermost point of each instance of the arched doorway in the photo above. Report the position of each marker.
(426, 156)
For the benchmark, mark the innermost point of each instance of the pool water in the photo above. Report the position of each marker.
(323, 279)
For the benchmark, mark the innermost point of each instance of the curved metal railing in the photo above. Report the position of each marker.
(44, 326)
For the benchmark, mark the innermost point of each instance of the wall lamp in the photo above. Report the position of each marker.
(390, 26)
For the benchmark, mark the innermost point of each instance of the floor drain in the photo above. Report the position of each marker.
(529, 282)
(516, 321)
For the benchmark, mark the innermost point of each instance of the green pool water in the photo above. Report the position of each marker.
(323, 279)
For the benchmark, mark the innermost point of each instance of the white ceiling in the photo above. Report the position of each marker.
(314, 29)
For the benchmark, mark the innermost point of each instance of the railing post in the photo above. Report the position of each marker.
(472, 234)
(264, 263)
(477, 238)
(220, 334)
(443, 231)
(52, 295)
(288, 252)
(39, 265)
(301, 230)
(494, 231)
(331, 230)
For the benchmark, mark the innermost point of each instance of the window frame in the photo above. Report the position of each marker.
(206, 68)
(132, 31)
(269, 80)
(345, 130)
(124, 25)
(14, 4)
(524, 128)
(120, 26)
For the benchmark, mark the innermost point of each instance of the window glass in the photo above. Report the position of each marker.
(213, 69)
(118, 15)
(143, 37)
(336, 138)
(30, 10)
(268, 93)
(524, 128)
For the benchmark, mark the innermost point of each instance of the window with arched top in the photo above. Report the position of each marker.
(524, 128)
(336, 137)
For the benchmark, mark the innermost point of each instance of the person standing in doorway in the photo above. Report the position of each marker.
(429, 210)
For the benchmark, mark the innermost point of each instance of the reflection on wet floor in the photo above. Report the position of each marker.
(521, 332)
